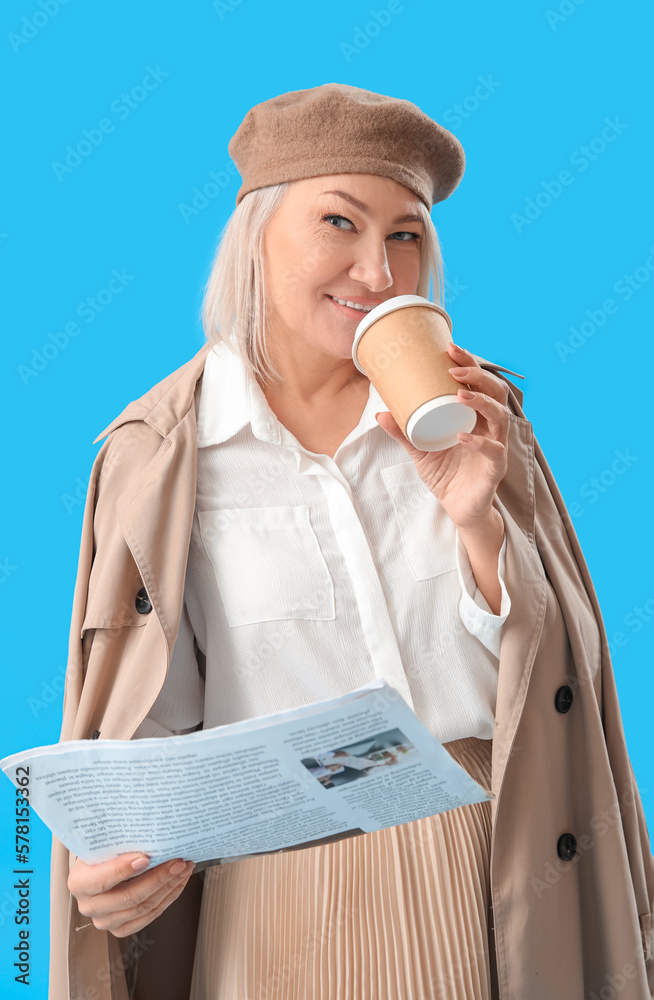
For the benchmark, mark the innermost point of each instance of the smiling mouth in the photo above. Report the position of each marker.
(350, 304)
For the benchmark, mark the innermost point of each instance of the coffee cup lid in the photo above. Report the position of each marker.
(390, 305)
(434, 425)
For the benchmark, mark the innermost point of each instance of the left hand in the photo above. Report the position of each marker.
(465, 477)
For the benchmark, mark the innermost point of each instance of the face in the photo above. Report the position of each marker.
(349, 237)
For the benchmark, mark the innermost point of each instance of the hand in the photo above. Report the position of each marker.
(120, 901)
(465, 477)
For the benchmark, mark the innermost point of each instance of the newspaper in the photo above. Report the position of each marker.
(336, 768)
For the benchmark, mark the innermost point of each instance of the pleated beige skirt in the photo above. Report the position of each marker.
(400, 914)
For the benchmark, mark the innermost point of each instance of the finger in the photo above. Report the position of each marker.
(130, 892)
(134, 924)
(108, 912)
(494, 451)
(495, 413)
(482, 381)
(461, 356)
(88, 880)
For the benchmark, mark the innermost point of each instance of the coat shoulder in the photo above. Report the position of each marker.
(167, 401)
(516, 393)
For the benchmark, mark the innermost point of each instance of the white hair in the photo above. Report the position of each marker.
(234, 303)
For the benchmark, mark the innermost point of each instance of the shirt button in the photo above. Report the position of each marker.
(143, 602)
(563, 699)
(566, 846)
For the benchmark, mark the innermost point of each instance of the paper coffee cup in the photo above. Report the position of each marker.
(401, 345)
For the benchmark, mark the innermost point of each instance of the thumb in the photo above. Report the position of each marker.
(389, 423)
(392, 428)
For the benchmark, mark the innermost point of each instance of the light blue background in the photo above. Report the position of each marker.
(515, 291)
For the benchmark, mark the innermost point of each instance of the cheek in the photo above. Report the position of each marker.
(299, 264)
(321, 258)
(405, 267)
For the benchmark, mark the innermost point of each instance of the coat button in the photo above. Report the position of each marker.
(566, 846)
(563, 699)
(143, 602)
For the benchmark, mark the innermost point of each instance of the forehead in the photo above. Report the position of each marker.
(368, 192)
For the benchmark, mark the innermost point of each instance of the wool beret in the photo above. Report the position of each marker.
(340, 129)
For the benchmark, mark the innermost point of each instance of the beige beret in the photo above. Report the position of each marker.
(339, 129)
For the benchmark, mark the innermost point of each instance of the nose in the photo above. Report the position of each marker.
(371, 266)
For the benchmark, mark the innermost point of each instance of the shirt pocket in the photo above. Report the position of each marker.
(428, 534)
(268, 564)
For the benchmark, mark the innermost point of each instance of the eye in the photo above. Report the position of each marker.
(328, 218)
(412, 237)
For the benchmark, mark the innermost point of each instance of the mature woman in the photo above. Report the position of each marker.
(259, 534)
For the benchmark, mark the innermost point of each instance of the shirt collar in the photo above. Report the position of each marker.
(231, 398)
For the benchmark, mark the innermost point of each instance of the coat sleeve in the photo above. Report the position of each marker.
(104, 623)
(562, 539)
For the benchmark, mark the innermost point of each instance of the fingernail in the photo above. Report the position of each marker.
(140, 864)
(457, 348)
(177, 868)
(459, 371)
(466, 394)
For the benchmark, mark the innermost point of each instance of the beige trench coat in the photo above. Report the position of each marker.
(564, 929)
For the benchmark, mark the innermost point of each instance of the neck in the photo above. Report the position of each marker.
(309, 376)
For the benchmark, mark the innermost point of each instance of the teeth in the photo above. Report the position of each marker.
(352, 305)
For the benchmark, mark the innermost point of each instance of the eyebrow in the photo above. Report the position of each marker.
(409, 217)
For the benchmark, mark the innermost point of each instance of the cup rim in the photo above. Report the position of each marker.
(389, 306)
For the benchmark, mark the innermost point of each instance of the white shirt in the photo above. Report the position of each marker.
(309, 576)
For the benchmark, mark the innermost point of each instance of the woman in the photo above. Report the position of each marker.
(291, 549)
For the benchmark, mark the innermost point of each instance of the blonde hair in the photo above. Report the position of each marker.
(234, 303)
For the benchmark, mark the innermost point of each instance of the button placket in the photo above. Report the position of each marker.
(371, 600)
(566, 845)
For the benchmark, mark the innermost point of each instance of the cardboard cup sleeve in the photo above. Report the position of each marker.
(401, 345)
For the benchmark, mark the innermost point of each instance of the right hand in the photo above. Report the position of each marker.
(121, 901)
